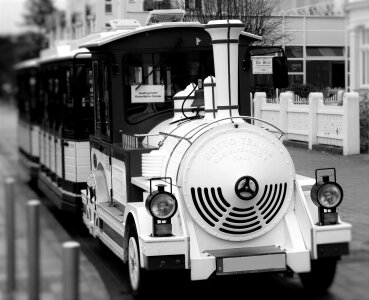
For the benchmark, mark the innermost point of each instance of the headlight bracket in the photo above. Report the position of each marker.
(326, 179)
(161, 226)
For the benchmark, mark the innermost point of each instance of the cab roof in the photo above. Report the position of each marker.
(111, 36)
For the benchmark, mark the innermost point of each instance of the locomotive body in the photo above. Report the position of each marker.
(203, 189)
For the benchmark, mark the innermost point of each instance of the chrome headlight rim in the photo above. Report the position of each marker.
(318, 189)
(152, 199)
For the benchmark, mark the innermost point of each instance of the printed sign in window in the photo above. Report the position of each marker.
(147, 94)
(262, 65)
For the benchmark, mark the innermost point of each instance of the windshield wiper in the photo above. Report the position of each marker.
(179, 41)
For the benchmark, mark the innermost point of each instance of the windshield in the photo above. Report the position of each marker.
(152, 79)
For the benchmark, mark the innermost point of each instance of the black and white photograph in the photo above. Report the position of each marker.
(184, 149)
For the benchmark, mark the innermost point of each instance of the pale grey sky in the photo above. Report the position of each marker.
(11, 12)
(11, 15)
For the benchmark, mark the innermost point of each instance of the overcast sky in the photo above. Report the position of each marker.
(11, 15)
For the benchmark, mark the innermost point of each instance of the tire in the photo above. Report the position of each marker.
(321, 276)
(136, 275)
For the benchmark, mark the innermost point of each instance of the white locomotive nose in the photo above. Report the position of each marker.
(237, 181)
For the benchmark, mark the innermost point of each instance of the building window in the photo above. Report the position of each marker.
(108, 7)
(294, 51)
(193, 4)
(324, 51)
(365, 58)
(295, 65)
(325, 73)
(296, 79)
(149, 5)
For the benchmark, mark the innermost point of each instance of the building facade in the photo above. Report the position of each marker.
(314, 39)
(358, 40)
(314, 34)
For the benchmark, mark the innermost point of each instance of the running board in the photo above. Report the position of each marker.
(111, 216)
(249, 260)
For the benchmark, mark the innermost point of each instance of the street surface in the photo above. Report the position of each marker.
(352, 278)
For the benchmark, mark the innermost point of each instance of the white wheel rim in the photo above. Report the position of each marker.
(133, 263)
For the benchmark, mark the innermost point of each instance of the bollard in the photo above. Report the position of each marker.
(33, 212)
(71, 270)
(10, 234)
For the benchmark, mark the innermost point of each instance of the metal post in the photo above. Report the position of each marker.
(71, 270)
(33, 211)
(10, 234)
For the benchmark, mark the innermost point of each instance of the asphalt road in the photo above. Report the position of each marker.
(352, 278)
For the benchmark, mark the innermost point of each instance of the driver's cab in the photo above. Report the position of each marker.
(137, 73)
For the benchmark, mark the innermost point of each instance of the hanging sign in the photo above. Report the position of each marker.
(147, 93)
(262, 65)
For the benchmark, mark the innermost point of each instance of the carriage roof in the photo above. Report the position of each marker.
(29, 63)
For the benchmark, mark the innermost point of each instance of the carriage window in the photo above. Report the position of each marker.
(78, 108)
(152, 79)
(102, 97)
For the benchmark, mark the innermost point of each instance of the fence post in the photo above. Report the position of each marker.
(252, 110)
(33, 212)
(314, 99)
(71, 270)
(259, 98)
(10, 234)
(284, 100)
(351, 124)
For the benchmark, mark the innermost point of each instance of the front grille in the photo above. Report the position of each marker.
(223, 215)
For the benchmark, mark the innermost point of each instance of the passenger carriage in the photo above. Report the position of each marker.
(67, 121)
(29, 116)
(180, 179)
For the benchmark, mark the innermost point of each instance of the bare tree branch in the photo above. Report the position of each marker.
(257, 15)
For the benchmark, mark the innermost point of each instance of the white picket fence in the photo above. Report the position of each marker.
(315, 120)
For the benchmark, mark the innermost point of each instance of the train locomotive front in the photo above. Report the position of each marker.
(217, 194)
(234, 181)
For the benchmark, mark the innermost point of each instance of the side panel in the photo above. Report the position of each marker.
(70, 161)
(58, 155)
(102, 159)
(35, 139)
(42, 146)
(82, 161)
(119, 185)
(47, 150)
(24, 137)
(52, 153)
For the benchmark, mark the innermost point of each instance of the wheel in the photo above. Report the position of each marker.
(321, 276)
(137, 276)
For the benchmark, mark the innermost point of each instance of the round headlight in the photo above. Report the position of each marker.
(330, 195)
(327, 195)
(162, 205)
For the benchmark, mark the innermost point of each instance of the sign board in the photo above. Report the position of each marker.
(165, 15)
(262, 65)
(147, 94)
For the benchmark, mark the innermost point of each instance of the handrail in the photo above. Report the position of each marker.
(176, 136)
(282, 133)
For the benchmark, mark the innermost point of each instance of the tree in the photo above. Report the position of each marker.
(256, 14)
(38, 12)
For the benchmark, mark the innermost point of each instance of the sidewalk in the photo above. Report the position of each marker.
(52, 234)
(352, 277)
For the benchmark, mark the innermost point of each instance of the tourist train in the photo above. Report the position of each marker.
(148, 130)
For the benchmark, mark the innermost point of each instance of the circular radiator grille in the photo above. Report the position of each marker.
(237, 181)
(220, 214)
